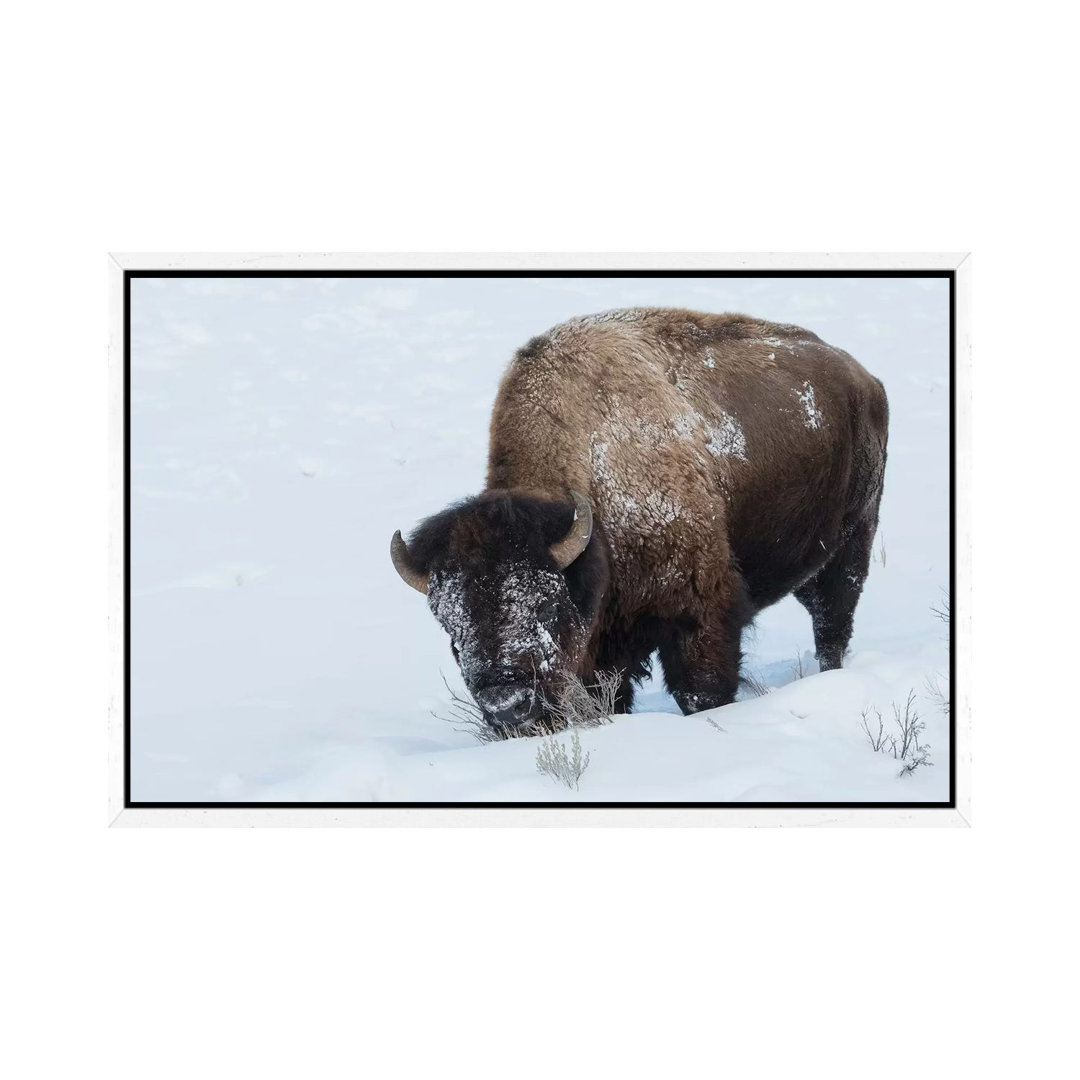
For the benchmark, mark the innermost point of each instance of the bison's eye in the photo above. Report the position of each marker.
(454, 649)
(548, 612)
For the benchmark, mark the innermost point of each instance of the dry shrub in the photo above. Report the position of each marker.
(904, 742)
(937, 695)
(943, 609)
(564, 768)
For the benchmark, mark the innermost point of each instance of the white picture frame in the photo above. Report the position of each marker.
(122, 814)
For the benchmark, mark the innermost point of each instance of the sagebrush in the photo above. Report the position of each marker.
(553, 760)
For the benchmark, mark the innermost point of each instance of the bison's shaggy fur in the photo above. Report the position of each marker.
(727, 461)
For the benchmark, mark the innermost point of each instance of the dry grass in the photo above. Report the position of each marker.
(879, 554)
(588, 705)
(754, 684)
(578, 705)
(467, 717)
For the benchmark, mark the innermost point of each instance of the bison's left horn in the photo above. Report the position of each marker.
(577, 539)
(399, 552)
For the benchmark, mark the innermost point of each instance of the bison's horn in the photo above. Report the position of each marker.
(565, 551)
(399, 552)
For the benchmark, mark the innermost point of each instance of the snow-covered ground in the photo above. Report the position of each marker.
(282, 429)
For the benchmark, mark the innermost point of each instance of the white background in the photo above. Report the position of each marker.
(575, 127)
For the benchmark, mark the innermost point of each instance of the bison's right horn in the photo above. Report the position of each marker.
(566, 550)
(399, 553)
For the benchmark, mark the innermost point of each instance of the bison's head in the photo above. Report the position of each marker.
(516, 580)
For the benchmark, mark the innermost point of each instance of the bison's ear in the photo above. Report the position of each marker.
(399, 553)
(566, 550)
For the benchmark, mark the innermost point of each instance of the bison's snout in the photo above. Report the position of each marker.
(508, 705)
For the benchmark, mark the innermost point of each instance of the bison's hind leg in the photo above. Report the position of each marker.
(831, 595)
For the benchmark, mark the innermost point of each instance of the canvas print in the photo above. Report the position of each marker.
(539, 538)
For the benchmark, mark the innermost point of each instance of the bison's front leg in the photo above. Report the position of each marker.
(701, 664)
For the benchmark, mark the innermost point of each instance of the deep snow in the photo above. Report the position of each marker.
(283, 428)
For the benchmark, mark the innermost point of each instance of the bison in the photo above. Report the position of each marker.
(655, 478)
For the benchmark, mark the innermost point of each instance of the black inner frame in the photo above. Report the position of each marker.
(537, 273)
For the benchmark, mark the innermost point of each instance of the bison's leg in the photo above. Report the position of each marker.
(831, 595)
(701, 665)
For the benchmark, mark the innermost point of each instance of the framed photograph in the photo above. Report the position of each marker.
(539, 539)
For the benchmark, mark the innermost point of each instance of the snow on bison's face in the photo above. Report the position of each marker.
(506, 591)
